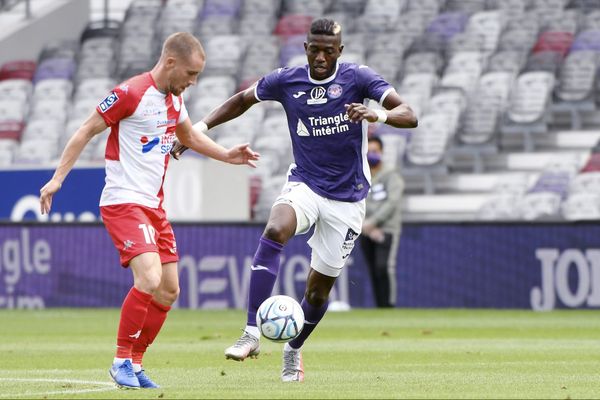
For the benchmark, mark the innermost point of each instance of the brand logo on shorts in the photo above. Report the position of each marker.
(348, 244)
(127, 244)
(351, 235)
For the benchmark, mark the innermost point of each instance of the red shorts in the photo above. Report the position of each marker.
(137, 229)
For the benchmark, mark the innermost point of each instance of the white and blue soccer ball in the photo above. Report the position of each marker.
(280, 318)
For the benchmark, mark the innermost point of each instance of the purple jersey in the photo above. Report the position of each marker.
(329, 150)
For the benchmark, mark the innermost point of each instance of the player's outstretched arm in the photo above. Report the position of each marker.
(91, 127)
(397, 114)
(232, 108)
(195, 138)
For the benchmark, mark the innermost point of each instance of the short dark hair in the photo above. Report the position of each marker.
(377, 140)
(325, 26)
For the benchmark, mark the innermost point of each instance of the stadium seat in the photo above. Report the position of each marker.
(429, 141)
(552, 41)
(10, 131)
(36, 151)
(585, 6)
(530, 97)
(293, 24)
(22, 69)
(448, 24)
(543, 200)
(423, 62)
(510, 9)
(465, 6)
(313, 8)
(53, 88)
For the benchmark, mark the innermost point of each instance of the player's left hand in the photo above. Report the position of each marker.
(358, 112)
(46, 193)
(242, 154)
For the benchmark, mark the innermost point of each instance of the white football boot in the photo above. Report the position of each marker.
(293, 369)
(246, 346)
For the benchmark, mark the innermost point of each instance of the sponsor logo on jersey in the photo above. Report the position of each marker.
(108, 102)
(317, 96)
(124, 88)
(161, 123)
(165, 141)
(334, 91)
(147, 144)
(325, 126)
(301, 129)
(127, 244)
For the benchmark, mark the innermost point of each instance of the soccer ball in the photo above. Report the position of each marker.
(280, 318)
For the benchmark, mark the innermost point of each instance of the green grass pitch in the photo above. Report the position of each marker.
(356, 354)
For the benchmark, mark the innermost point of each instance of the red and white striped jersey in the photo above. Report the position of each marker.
(142, 123)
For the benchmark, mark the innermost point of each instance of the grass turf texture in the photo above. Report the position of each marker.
(358, 354)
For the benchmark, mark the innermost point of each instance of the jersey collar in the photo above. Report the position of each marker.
(326, 80)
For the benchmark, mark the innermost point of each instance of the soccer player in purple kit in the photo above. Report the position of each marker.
(328, 183)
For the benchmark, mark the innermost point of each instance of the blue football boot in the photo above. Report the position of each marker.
(124, 376)
(145, 382)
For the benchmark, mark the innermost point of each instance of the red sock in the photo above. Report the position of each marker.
(157, 313)
(133, 315)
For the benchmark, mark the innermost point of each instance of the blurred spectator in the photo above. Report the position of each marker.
(381, 230)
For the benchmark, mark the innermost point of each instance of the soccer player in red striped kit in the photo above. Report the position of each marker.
(145, 115)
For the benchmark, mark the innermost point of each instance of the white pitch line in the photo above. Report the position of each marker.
(107, 386)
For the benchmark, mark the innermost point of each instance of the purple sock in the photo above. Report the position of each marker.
(265, 267)
(312, 316)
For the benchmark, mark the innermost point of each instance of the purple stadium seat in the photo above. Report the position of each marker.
(587, 40)
(448, 24)
(221, 7)
(61, 68)
(292, 46)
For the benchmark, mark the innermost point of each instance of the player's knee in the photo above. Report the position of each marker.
(315, 297)
(170, 294)
(149, 283)
(277, 233)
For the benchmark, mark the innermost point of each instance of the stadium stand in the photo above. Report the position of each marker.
(505, 91)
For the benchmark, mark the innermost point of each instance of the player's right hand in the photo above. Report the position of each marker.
(177, 149)
(46, 193)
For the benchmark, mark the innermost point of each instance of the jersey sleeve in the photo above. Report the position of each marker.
(373, 85)
(119, 104)
(183, 114)
(268, 87)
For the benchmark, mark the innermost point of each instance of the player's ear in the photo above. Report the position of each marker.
(305, 46)
(341, 48)
(170, 62)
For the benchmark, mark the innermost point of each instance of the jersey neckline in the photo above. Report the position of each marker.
(326, 80)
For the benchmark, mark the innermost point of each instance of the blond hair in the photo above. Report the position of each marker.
(182, 45)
